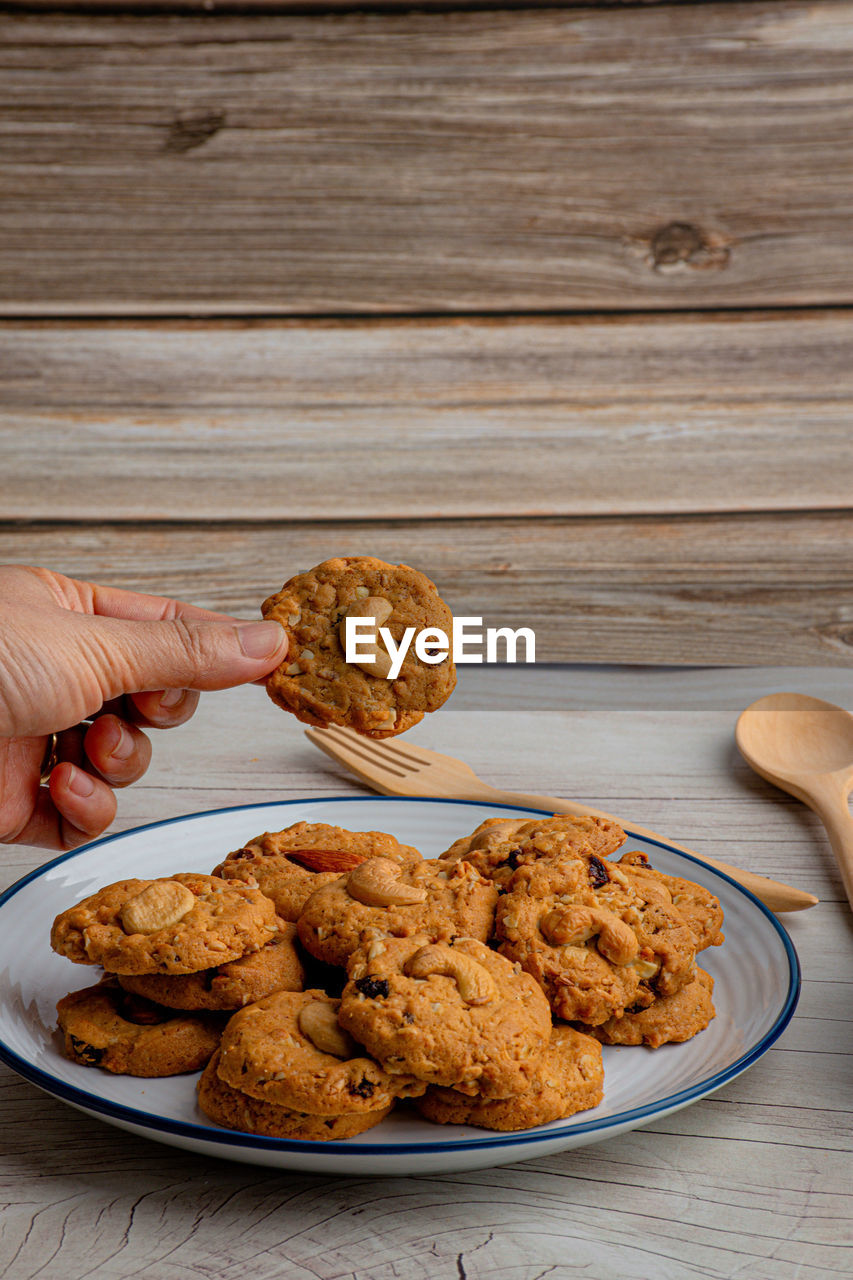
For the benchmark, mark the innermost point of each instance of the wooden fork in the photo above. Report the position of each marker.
(396, 768)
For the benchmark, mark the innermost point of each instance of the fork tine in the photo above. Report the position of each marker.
(397, 750)
(359, 758)
(377, 751)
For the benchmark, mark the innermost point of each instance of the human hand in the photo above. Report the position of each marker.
(74, 651)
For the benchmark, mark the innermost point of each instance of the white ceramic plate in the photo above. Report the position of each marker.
(756, 973)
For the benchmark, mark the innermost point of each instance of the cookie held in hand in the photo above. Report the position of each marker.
(317, 683)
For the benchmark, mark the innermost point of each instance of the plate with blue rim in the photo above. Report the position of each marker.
(755, 971)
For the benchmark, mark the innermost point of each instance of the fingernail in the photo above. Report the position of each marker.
(260, 639)
(80, 783)
(123, 747)
(171, 698)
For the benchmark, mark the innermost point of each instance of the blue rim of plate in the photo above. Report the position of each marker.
(228, 1138)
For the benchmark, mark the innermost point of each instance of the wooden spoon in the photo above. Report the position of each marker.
(805, 746)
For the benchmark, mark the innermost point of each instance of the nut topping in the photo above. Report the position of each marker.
(380, 610)
(340, 860)
(377, 883)
(160, 906)
(476, 985)
(319, 1024)
(572, 926)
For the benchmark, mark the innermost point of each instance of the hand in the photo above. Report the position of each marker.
(73, 651)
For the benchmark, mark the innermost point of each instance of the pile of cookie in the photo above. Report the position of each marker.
(325, 974)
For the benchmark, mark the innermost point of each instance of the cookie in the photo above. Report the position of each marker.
(235, 1110)
(275, 967)
(449, 1013)
(500, 845)
(317, 683)
(107, 1027)
(701, 910)
(288, 1049)
(385, 898)
(569, 1077)
(289, 865)
(595, 948)
(178, 924)
(671, 1019)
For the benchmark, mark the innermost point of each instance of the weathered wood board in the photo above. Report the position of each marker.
(444, 162)
(366, 420)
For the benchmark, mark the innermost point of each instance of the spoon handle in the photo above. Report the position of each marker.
(829, 801)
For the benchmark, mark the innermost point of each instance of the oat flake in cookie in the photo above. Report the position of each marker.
(316, 682)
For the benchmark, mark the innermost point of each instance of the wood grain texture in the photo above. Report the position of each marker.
(719, 590)
(751, 1182)
(640, 158)
(441, 418)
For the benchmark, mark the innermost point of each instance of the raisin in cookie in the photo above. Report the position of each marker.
(119, 1032)
(670, 1020)
(500, 845)
(382, 897)
(569, 1077)
(596, 949)
(289, 865)
(317, 683)
(451, 1013)
(275, 967)
(178, 924)
(235, 1110)
(289, 1050)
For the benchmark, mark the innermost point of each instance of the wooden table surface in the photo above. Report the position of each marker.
(753, 1183)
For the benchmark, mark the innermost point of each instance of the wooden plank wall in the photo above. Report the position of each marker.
(552, 302)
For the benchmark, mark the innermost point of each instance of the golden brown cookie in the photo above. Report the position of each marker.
(595, 948)
(671, 1019)
(235, 1110)
(383, 897)
(500, 845)
(569, 1077)
(317, 683)
(289, 865)
(449, 1013)
(119, 1032)
(289, 1050)
(275, 967)
(701, 910)
(178, 924)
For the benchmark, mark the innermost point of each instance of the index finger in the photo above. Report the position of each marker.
(112, 602)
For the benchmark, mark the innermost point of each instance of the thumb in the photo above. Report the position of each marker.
(182, 653)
